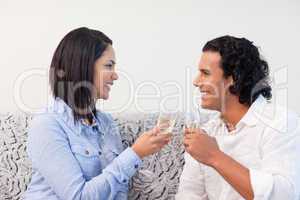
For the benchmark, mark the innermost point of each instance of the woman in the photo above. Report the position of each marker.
(76, 151)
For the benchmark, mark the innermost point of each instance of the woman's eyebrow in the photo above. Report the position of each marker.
(113, 62)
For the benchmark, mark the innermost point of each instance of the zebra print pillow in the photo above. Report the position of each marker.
(157, 179)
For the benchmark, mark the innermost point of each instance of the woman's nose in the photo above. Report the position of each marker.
(115, 76)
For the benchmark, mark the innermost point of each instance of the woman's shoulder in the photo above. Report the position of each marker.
(105, 117)
(44, 119)
(45, 123)
(44, 130)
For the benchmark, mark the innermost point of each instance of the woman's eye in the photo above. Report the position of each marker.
(109, 66)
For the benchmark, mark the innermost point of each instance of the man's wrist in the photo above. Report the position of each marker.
(216, 159)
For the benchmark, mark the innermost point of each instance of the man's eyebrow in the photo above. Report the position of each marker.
(203, 68)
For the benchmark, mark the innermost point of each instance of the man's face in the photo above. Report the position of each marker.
(211, 82)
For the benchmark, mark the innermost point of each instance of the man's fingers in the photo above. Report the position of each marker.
(187, 131)
(186, 142)
(200, 131)
(188, 136)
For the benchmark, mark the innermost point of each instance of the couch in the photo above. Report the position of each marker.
(157, 178)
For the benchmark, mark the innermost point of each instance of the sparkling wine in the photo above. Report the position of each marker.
(166, 122)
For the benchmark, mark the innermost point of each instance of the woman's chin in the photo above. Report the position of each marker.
(106, 96)
(103, 96)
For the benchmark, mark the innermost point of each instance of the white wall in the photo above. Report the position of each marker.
(155, 41)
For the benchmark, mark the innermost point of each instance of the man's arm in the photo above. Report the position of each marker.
(234, 173)
(277, 178)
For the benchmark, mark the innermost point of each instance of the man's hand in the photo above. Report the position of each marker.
(201, 146)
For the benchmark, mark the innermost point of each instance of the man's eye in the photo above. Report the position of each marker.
(205, 72)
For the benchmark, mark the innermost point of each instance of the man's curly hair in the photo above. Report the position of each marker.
(241, 60)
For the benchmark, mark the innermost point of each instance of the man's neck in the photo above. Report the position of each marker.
(233, 111)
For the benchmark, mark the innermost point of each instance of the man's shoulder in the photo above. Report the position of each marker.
(278, 118)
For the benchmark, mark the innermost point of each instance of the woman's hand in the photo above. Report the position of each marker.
(150, 142)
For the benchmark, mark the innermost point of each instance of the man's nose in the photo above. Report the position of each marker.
(196, 81)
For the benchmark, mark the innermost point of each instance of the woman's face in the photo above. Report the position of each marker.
(105, 74)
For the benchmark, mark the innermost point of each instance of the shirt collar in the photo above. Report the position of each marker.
(251, 118)
(94, 125)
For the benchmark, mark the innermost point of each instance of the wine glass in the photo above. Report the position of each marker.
(192, 121)
(196, 120)
(166, 122)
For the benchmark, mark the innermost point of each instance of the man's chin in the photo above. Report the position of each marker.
(204, 106)
(207, 106)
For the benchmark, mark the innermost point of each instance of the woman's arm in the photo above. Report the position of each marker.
(51, 155)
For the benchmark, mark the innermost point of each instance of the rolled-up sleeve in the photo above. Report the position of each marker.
(278, 177)
(49, 150)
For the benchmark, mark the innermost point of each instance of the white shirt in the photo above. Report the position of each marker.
(266, 141)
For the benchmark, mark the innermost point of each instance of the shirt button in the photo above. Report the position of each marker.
(136, 166)
(87, 152)
(124, 181)
(99, 152)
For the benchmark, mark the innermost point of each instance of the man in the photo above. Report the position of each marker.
(250, 151)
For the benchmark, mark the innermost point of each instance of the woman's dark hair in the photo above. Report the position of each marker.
(241, 60)
(72, 69)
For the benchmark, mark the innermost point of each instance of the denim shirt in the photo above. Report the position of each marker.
(75, 160)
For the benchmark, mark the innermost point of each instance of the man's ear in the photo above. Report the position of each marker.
(229, 81)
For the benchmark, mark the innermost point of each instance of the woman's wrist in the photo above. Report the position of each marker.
(138, 151)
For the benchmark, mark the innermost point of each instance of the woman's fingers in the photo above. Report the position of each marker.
(161, 137)
(154, 131)
(160, 140)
